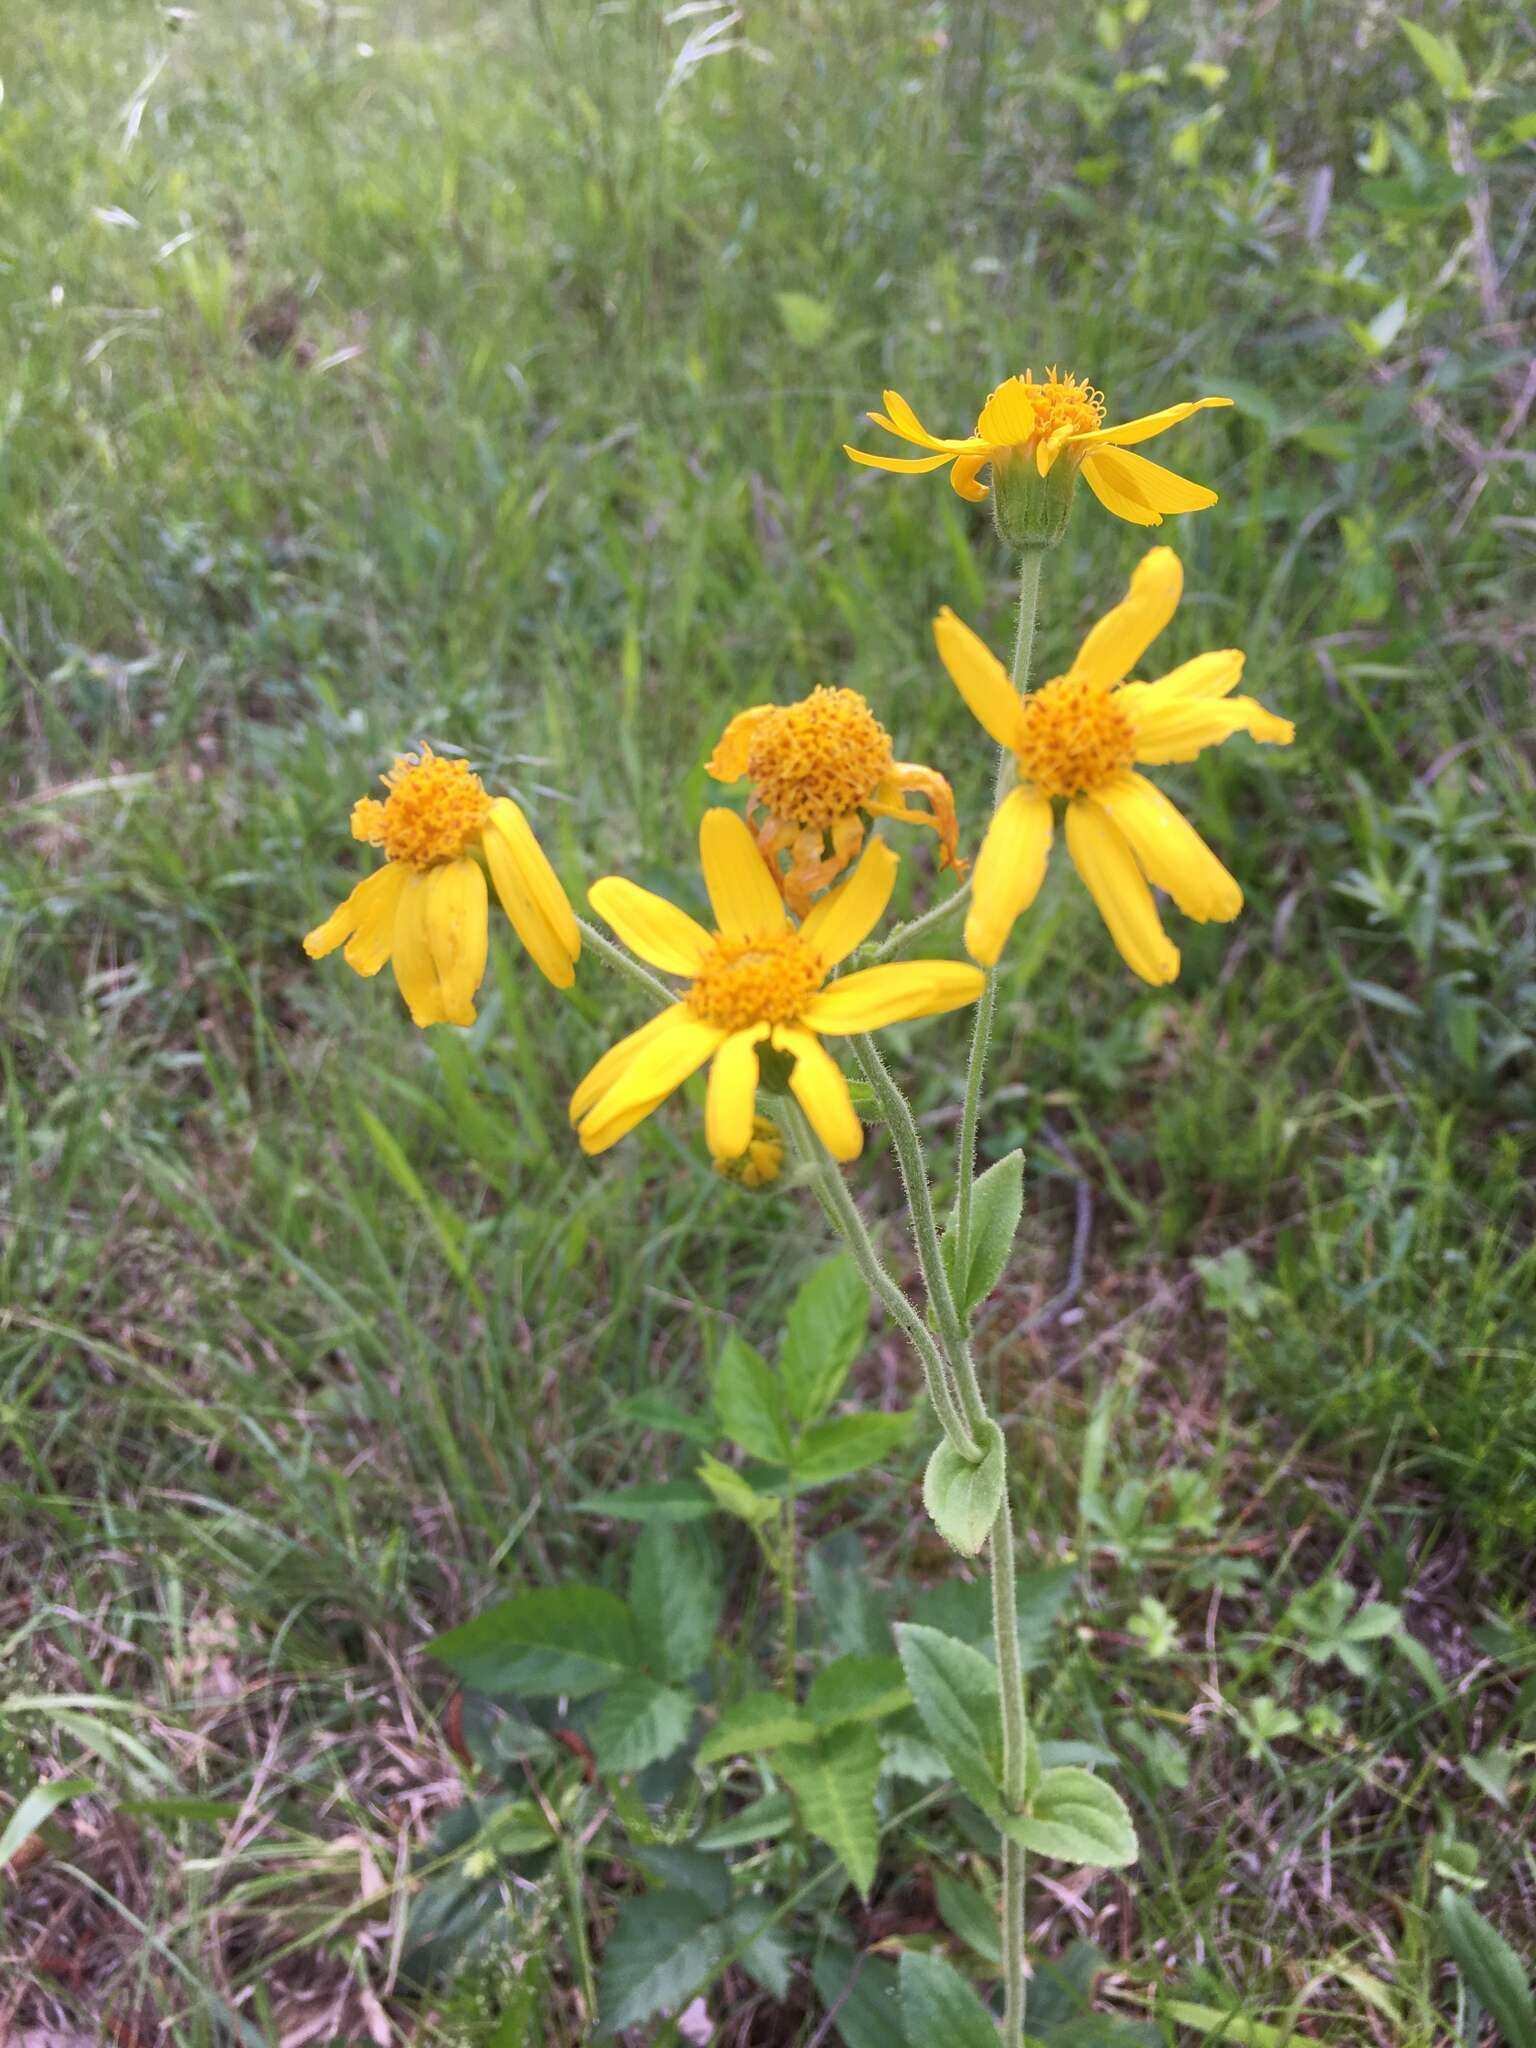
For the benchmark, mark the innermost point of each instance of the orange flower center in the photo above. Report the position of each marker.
(434, 810)
(1062, 405)
(1076, 736)
(815, 761)
(756, 981)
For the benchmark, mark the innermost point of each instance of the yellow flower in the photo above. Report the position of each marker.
(756, 979)
(1081, 737)
(426, 908)
(813, 767)
(762, 1162)
(1043, 423)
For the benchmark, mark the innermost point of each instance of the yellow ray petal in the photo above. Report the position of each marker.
(1117, 642)
(1177, 728)
(1172, 854)
(1162, 489)
(728, 763)
(549, 953)
(817, 1084)
(619, 1058)
(980, 678)
(877, 996)
(1107, 865)
(366, 919)
(1009, 870)
(905, 422)
(539, 878)
(730, 1098)
(1209, 675)
(602, 1133)
(1125, 505)
(457, 932)
(661, 1065)
(650, 926)
(1007, 418)
(1150, 423)
(746, 903)
(411, 953)
(845, 918)
(962, 477)
(901, 465)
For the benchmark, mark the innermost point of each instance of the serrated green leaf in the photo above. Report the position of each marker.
(639, 1722)
(661, 1946)
(559, 1639)
(1491, 1968)
(955, 1689)
(749, 1402)
(825, 1332)
(864, 2009)
(938, 2005)
(1077, 1817)
(834, 1781)
(997, 1202)
(686, 1867)
(674, 1595)
(1440, 58)
(963, 1499)
(735, 1494)
(762, 1721)
(763, 1821)
(857, 1689)
(846, 1444)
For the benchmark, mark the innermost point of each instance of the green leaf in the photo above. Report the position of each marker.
(1440, 58)
(847, 1444)
(962, 1498)
(674, 1595)
(735, 1494)
(560, 1639)
(652, 1409)
(834, 1781)
(807, 321)
(653, 1500)
(955, 1688)
(864, 2008)
(849, 1612)
(1228, 2027)
(35, 1808)
(762, 1721)
(638, 1723)
(763, 1821)
(750, 1403)
(1077, 1817)
(1490, 1966)
(857, 1689)
(997, 1202)
(828, 1322)
(938, 2005)
(662, 1945)
(686, 1867)
(972, 1916)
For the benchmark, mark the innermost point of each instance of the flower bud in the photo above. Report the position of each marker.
(760, 1165)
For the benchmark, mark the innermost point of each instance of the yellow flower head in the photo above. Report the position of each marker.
(1082, 737)
(814, 767)
(426, 908)
(757, 978)
(762, 1162)
(1061, 418)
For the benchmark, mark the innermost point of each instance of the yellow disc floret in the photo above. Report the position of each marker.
(1061, 405)
(434, 811)
(756, 981)
(817, 760)
(1075, 737)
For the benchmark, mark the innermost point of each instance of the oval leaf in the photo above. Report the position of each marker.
(963, 1498)
(938, 2005)
(1078, 1818)
(997, 1202)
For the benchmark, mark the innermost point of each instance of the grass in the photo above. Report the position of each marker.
(437, 371)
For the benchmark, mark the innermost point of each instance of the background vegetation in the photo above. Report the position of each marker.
(394, 371)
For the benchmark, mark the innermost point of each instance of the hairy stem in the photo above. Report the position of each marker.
(622, 963)
(903, 934)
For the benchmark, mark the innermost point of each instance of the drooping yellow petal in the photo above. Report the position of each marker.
(730, 1098)
(844, 919)
(980, 678)
(1117, 642)
(728, 763)
(1102, 856)
(1162, 489)
(650, 926)
(1177, 728)
(411, 952)
(877, 996)
(457, 932)
(1172, 854)
(1114, 496)
(1007, 419)
(366, 921)
(962, 477)
(902, 465)
(817, 1084)
(619, 1058)
(746, 903)
(1009, 870)
(1150, 423)
(549, 953)
(539, 878)
(660, 1066)
(904, 421)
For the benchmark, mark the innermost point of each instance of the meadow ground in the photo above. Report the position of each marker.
(477, 374)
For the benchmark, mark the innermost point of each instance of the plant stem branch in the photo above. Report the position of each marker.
(903, 934)
(621, 962)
